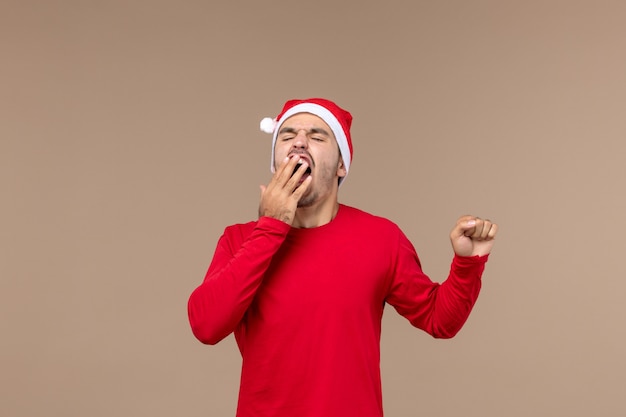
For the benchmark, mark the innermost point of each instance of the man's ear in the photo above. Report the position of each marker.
(341, 168)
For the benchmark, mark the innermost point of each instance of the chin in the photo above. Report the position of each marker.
(307, 200)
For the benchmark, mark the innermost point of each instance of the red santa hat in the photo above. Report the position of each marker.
(338, 119)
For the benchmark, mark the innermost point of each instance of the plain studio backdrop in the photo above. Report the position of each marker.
(129, 138)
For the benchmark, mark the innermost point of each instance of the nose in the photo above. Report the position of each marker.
(301, 140)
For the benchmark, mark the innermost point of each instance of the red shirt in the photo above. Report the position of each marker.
(306, 306)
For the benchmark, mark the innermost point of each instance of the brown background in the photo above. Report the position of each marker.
(129, 140)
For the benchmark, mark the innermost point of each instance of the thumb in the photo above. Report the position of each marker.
(466, 226)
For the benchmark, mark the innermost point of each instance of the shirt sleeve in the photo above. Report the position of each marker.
(236, 271)
(439, 309)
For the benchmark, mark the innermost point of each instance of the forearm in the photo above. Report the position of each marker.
(217, 306)
(455, 297)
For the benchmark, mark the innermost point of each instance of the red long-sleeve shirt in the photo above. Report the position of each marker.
(306, 306)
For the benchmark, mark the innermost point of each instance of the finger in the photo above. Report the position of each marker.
(487, 225)
(492, 231)
(284, 171)
(487, 232)
(293, 182)
(478, 229)
(302, 188)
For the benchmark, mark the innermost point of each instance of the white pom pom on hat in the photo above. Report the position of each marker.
(338, 119)
(268, 125)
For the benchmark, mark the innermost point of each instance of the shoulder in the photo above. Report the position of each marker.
(242, 226)
(264, 225)
(239, 231)
(373, 236)
(358, 218)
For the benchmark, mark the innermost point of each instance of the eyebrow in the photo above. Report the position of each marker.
(313, 130)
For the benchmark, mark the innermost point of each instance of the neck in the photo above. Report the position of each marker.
(315, 215)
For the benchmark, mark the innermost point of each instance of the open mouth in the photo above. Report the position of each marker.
(306, 173)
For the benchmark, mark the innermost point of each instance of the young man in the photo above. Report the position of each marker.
(304, 286)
